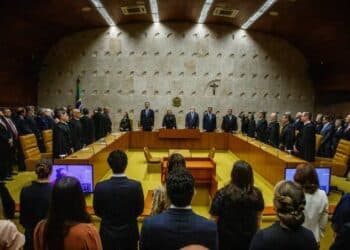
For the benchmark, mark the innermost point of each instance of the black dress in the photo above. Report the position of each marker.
(35, 201)
(276, 237)
(237, 221)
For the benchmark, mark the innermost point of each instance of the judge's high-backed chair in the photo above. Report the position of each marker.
(211, 153)
(318, 142)
(340, 162)
(47, 136)
(31, 151)
(153, 164)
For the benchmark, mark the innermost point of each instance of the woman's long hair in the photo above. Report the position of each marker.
(289, 202)
(307, 177)
(67, 209)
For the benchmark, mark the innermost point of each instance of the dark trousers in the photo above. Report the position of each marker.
(4, 163)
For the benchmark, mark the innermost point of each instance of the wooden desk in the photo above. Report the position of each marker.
(266, 160)
(96, 154)
(203, 169)
(184, 152)
(179, 133)
(141, 139)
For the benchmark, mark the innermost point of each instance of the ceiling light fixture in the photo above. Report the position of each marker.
(103, 12)
(154, 11)
(204, 13)
(263, 8)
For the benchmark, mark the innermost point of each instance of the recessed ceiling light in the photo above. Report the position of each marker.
(103, 12)
(263, 8)
(273, 13)
(86, 8)
(205, 10)
(154, 10)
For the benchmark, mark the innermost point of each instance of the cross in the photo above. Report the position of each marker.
(214, 86)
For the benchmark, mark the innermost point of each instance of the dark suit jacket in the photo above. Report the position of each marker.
(177, 228)
(287, 137)
(338, 134)
(23, 127)
(273, 132)
(261, 130)
(209, 125)
(251, 128)
(342, 239)
(88, 130)
(62, 142)
(318, 127)
(229, 125)
(99, 125)
(298, 125)
(327, 132)
(308, 142)
(147, 121)
(346, 133)
(76, 134)
(192, 123)
(107, 124)
(118, 202)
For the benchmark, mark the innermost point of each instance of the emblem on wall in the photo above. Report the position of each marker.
(177, 102)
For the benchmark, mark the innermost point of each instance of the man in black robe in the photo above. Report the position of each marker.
(147, 118)
(62, 143)
(169, 120)
(261, 127)
(307, 145)
(76, 130)
(98, 122)
(87, 127)
(229, 122)
(287, 134)
(273, 131)
(107, 122)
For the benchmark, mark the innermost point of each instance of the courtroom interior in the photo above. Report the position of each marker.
(163, 124)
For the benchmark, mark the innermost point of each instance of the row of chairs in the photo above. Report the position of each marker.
(30, 149)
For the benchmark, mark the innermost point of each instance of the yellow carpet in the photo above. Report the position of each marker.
(137, 169)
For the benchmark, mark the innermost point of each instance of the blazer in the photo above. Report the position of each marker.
(118, 202)
(287, 137)
(261, 130)
(62, 142)
(229, 125)
(273, 133)
(147, 121)
(192, 122)
(209, 125)
(88, 130)
(342, 239)
(337, 135)
(346, 133)
(326, 143)
(177, 228)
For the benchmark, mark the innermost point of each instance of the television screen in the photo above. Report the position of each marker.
(84, 173)
(324, 177)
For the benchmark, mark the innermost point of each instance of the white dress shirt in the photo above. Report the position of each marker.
(316, 213)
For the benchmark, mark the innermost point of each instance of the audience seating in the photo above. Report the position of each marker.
(31, 151)
(153, 164)
(339, 163)
(211, 153)
(47, 136)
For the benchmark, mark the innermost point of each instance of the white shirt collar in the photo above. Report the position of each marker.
(307, 122)
(175, 207)
(119, 175)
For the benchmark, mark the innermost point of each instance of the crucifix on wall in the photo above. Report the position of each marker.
(213, 85)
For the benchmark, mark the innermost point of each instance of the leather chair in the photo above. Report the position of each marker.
(47, 136)
(31, 151)
(318, 142)
(153, 164)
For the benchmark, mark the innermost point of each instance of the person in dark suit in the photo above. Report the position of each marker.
(87, 128)
(76, 130)
(98, 123)
(6, 143)
(346, 134)
(298, 124)
(251, 125)
(287, 134)
(338, 134)
(273, 131)
(327, 132)
(147, 118)
(307, 145)
(125, 123)
(169, 120)
(35, 201)
(107, 122)
(7, 201)
(41, 120)
(21, 123)
(62, 142)
(341, 224)
(15, 140)
(209, 121)
(178, 226)
(30, 119)
(229, 122)
(118, 202)
(192, 119)
(318, 123)
(261, 127)
(244, 122)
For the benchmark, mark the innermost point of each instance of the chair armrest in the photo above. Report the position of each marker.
(154, 160)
